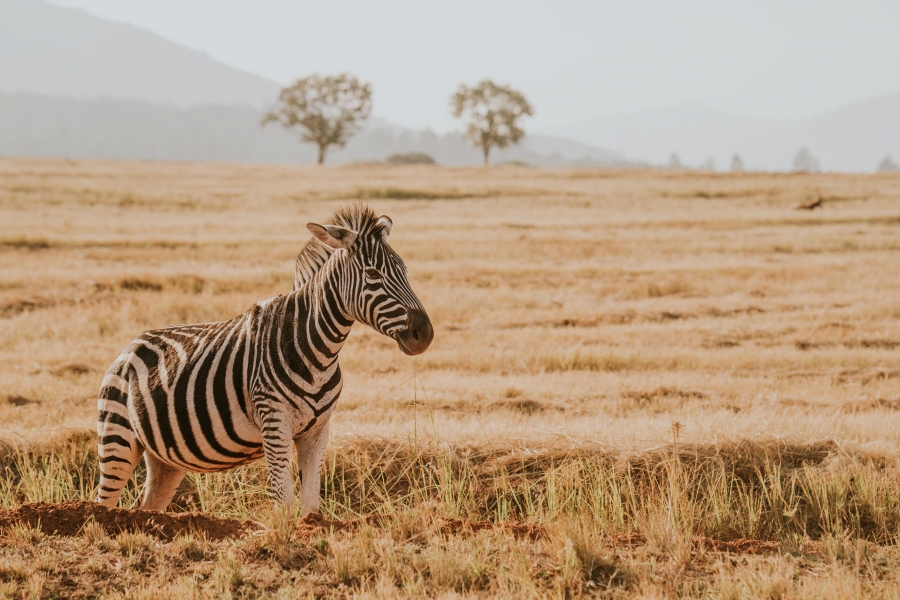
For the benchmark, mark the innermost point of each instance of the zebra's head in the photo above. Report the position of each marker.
(374, 287)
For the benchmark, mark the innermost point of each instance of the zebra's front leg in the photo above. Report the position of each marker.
(161, 485)
(276, 439)
(311, 446)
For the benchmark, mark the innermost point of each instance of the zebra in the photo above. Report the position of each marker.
(209, 397)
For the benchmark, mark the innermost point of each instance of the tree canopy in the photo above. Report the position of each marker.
(492, 112)
(326, 110)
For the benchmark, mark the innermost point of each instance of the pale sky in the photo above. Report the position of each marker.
(573, 59)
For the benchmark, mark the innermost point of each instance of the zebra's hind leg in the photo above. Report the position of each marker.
(161, 485)
(119, 451)
(118, 445)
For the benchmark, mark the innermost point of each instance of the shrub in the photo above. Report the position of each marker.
(410, 158)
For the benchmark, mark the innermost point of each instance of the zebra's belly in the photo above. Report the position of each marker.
(200, 453)
(197, 434)
(199, 467)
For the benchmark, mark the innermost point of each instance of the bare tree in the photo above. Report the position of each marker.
(887, 165)
(737, 165)
(326, 110)
(675, 162)
(493, 112)
(805, 162)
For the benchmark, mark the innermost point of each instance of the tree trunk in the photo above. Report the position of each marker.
(322, 149)
(487, 149)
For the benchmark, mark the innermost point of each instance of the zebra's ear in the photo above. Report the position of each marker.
(333, 236)
(386, 226)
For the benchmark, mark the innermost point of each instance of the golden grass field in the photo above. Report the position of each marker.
(642, 383)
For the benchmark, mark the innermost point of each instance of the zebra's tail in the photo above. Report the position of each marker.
(118, 446)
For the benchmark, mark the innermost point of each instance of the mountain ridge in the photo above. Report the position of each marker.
(34, 125)
(52, 50)
(71, 55)
(852, 137)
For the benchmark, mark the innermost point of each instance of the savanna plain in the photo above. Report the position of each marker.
(642, 384)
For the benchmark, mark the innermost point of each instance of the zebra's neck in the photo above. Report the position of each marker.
(328, 319)
(305, 330)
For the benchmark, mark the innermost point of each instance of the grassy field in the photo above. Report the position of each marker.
(642, 383)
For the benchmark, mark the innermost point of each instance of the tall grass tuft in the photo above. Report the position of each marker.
(769, 490)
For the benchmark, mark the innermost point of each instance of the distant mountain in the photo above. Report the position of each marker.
(79, 85)
(693, 131)
(33, 125)
(51, 50)
(852, 138)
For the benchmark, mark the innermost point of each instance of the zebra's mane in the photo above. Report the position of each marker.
(357, 216)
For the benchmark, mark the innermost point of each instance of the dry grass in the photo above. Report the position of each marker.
(530, 451)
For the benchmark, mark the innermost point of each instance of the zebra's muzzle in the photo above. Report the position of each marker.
(418, 334)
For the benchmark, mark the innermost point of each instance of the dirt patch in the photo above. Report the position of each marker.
(16, 307)
(575, 323)
(26, 243)
(797, 403)
(722, 342)
(879, 375)
(663, 392)
(876, 344)
(453, 406)
(656, 404)
(623, 318)
(522, 405)
(526, 406)
(519, 530)
(392, 193)
(870, 405)
(312, 523)
(69, 518)
(72, 369)
(137, 284)
(810, 345)
(739, 546)
(17, 400)
(673, 316)
(715, 311)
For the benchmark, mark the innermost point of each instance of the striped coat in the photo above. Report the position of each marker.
(209, 397)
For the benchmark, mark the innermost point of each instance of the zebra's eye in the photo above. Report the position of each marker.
(373, 273)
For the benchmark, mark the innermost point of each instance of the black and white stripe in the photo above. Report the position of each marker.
(210, 397)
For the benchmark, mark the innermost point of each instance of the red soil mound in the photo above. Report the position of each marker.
(69, 518)
(312, 522)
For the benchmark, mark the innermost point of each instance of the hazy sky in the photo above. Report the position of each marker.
(573, 59)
